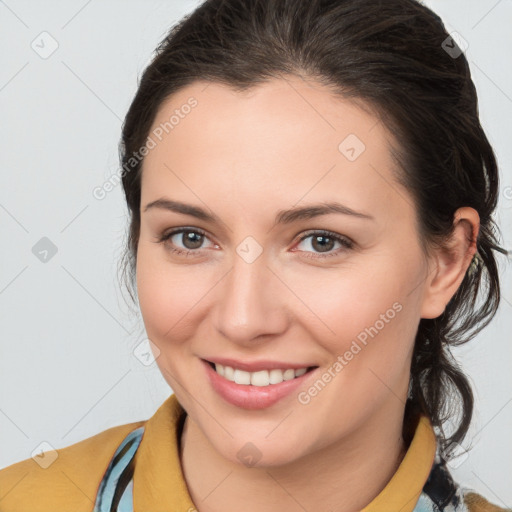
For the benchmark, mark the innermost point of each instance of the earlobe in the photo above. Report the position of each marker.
(449, 264)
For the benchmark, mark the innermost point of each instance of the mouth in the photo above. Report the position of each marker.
(259, 389)
(260, 378)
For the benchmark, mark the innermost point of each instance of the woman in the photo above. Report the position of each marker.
(311, 197)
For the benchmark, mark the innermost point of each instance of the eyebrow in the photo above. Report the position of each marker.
(282, 217)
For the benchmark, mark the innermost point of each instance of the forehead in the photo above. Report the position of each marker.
(285, 136)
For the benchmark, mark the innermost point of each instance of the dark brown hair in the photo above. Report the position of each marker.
(397, 58)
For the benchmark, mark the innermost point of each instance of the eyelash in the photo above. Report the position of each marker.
(346, 243)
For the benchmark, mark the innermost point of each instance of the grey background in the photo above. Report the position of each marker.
(67, 367)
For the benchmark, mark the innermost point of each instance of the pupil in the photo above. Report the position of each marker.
(322, 247)
(189, 238)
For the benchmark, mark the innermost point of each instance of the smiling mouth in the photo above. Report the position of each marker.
(260, 378)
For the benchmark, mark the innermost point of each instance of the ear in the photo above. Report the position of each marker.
(448, 265)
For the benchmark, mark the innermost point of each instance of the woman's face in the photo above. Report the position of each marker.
(241, 287)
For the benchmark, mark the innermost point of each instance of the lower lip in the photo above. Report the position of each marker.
(249, 396)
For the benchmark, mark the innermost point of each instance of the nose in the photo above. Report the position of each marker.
(251, 303)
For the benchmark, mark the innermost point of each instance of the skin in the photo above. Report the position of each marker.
(244, 157)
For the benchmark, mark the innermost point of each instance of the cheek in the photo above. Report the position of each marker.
(172, 297)
(151, 286)
(165, 294)
(365, 315)
(344, 303)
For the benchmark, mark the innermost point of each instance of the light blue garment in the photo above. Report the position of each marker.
(115, 492)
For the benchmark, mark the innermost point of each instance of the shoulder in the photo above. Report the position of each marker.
(63, 479)
(476, 503)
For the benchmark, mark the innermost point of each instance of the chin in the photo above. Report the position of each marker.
(260, 452)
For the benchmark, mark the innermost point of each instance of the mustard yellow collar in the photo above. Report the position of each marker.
(158, 477)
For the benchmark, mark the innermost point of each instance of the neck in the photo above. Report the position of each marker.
(344, 477)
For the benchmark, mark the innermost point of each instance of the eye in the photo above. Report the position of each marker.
(191, 239)
(323, 241)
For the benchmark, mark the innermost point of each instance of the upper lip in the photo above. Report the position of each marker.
(255, 366)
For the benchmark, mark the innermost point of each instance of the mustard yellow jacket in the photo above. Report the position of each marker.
(136, 467)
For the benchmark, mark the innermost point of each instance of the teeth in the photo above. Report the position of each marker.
(242, 377)
(260, 378)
